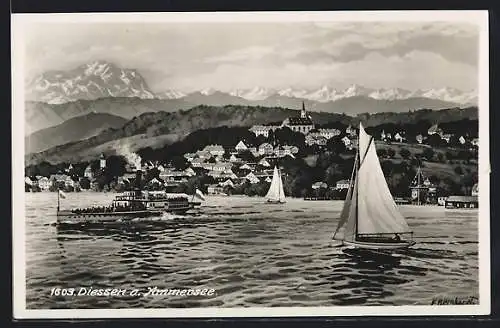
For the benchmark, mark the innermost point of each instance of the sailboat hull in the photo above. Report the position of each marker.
(371, 245)
(275, 201)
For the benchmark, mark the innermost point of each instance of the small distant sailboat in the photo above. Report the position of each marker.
(197, 198)
(276, 194)
(370, 218)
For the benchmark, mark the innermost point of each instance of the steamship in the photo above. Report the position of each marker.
(128, 205)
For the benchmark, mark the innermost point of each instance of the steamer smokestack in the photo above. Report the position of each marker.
(138, 182)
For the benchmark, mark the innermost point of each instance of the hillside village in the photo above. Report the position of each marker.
(247, 166)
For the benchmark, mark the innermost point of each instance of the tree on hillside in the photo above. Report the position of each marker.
(115, 166)
(285, 136)
(335, 145)
(95, 166)
(179, 163)
(85, 183)
(428, 154)
(247, 156)
(405, 153)
(440, 157)
(435, 141)
(382, 152)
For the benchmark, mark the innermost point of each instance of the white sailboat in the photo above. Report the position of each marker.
(276, 194)
(370, 218)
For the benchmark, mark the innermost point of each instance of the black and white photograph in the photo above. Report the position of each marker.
(250, 164)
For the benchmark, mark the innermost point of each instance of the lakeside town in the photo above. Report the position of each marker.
(298, 146)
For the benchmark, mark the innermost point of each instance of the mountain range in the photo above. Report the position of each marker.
(100, 79)
(89, 109)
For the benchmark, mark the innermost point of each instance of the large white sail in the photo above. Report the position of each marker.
(377, 211)
(276, 192)
(369, 207)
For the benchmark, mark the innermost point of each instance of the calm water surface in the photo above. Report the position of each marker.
(251, 253)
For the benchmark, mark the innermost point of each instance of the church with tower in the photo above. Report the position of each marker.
(302, 123)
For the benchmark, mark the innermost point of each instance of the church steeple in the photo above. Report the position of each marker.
(303, 112)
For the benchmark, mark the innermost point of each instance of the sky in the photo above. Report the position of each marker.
(226, 56)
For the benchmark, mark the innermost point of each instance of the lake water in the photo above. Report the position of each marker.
(251, 253)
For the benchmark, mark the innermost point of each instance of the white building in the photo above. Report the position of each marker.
(88, 173)
(342, 184)
(102, 161)
(351, 131)
(329, 133)
(197, 162)
(398, 137)
(69, 182)
(241, 146)
(264, 162)
(435, 129)
(214, 150)
(228, 182)
(252, 178)
(263, 130)
(266, 149)
(319, 185)
(44, 183)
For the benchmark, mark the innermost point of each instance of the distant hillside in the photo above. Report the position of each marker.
(74, 129)
(176, 125)
(180, 123)
(433, 116)
(42, 115)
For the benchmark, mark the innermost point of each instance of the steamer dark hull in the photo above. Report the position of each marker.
(72, 217)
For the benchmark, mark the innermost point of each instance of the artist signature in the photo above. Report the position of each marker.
(455, 300)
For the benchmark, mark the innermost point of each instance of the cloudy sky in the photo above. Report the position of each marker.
(275, 55)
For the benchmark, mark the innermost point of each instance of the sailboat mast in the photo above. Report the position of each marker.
(418, 186)
(358, 159)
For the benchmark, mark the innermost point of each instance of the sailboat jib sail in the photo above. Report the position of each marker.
(340, 232)
(369, 208)
(276, 192)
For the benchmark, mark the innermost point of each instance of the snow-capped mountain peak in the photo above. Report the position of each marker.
(257, 93)
(170, 94)
(292, 92)
(390, 94)
(89, 81)
(208, 91)
(356, 90)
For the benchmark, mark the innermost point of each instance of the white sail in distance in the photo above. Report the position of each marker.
(369, 207)
(276, 192)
